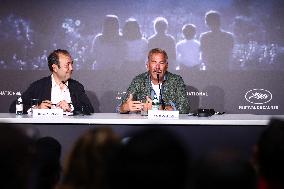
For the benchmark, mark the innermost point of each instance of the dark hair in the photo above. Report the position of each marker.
(53, 58)
(224, 169)
(110, 26)
(157, 50)
(151, 158)
(189, 31)
(160, 24)
(131, 30)
(86, 164)
(16, 154)
(213, 18)
(47, 162)
(270, 154)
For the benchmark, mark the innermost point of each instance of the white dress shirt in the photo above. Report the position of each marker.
(60, 92)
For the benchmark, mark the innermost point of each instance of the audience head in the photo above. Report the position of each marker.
(189, 31)
(213, 20)
(86, 165)
(60, 63)
(131, 30)
(223, 170)
(16, 154)
(47, 164)
(270, 154)
(151, 158)
(110, 27)
(160, 25)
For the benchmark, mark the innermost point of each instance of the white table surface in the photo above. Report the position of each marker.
(136, 119)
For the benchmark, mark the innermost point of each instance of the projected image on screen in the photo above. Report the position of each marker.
(117, 34)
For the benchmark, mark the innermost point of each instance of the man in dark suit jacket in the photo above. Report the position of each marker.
(58, 89)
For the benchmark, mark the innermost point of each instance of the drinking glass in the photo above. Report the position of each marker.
(34, 104)
(144, 109)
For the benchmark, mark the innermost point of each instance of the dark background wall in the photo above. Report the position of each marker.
(30, 30)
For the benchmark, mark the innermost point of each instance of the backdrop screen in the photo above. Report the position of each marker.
(233, 63)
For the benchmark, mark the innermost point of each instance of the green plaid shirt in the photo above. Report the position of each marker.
(173, 91)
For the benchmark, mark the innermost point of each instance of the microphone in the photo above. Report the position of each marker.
(64, 82)
(81, 111)
(84, 109)
(158, 77)
(160, 88)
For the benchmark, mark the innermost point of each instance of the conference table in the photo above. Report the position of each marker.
(200, 134)
(137, 119)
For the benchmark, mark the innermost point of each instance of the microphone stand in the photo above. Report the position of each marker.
(161, 97)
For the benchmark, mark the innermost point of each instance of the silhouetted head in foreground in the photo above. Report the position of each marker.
(151, 158)
(86, 165)
(270, 154)
(47, 164)
(16, 153)
(223, 170)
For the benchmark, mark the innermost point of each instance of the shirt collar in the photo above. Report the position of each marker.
(54, 84)
(149, 83)
(165, 77)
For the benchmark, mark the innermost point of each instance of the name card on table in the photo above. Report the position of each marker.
(161, 114)
(47, 113)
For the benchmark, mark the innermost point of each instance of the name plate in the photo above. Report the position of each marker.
(47, 113)
(161, 114)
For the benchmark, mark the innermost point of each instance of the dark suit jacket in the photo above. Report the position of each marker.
(41, 89)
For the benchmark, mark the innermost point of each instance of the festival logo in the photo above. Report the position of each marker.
(258, 96)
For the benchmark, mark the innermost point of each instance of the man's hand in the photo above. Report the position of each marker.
(148, 103)
(64, 105)
(46, 104)
(130, 105)
(169, 108)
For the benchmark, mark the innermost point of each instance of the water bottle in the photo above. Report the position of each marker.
(155, 103)
(202, 66)
(19, 105)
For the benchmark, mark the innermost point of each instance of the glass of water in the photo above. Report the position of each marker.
(34, 104)
(144, 109)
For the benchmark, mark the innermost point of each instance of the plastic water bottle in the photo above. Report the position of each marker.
(202, 66)
(19, 105)
(155, 103)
